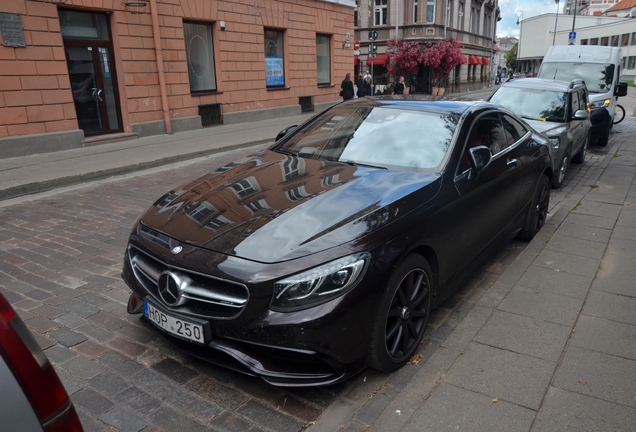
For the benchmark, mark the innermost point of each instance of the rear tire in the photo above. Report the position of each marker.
(402, 315)
(538, 211)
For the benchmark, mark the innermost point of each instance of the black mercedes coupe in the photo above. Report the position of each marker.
(325, 253)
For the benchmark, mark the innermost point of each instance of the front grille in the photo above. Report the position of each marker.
(210, 114)
(306, 104)
(207, 296)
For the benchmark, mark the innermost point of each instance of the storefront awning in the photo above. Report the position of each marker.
(464, 60)
(472, 60)
(485, 61)
(379, 60)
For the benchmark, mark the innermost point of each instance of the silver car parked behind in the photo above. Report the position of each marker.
(559, 109)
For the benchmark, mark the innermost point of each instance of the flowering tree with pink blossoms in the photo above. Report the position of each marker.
(403, 58)
(442, 57)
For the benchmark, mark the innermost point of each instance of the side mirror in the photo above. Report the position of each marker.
(581, 115)
(480, 157)
(621, 89)
(284, 132)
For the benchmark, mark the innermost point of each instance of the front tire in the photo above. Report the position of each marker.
(402, 315)
(559, 175)
(538, 211)
(579, 158)
(603, 137)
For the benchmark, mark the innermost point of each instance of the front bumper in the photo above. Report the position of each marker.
(317, 346)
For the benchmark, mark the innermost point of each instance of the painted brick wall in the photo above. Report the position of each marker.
(35, 91)
(35, 94)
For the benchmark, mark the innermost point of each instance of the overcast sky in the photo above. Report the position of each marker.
(508, 24)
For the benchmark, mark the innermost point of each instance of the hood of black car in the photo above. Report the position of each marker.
(274, 207)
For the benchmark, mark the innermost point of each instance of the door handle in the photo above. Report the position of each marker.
(511, 163)
(99, 92)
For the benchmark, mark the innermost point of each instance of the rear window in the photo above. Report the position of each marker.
(533, 104)
(598, 77)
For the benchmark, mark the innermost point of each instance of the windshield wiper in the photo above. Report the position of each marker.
(350, 162)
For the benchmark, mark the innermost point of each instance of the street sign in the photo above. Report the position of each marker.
(356, 45)
(571, 38)
(373, 35)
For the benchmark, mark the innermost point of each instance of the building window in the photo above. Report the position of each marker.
(430, 11)
(274, 59)
(605, 41)
(379, 12)
(449, 10)
(323, 59)
(583, 41)
(631, 62)
(634, 38)
(200, 56)
(594, 41)
(256, 206)
(414, 11)
(244, 188)
(461, 17)
(625, 39)
(297, 193)
(474, 21)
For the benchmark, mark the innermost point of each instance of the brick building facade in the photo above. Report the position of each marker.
(73, 72)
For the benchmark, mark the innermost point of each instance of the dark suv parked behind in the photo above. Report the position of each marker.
(559, 109)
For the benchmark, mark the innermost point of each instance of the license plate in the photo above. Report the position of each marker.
(176, 326)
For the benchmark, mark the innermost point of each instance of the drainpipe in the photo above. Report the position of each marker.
(159, 55)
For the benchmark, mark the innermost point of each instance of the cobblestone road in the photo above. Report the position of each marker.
(60, 261)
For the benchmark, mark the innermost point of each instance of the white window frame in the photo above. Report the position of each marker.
(380, 12)
(430, 7)
(414, 11)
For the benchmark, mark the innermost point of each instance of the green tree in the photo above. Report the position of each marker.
(511, 57)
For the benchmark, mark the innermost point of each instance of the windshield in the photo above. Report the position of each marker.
(545, 105)
(387, 137)
(598, 77)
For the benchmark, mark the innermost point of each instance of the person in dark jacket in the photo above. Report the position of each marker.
(347, 88)
(360, 83)
(399, 87)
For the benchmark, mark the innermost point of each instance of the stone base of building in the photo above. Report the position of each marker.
(25, 145)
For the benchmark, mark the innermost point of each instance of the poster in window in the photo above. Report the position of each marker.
(274, 71)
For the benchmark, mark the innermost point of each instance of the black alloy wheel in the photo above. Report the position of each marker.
(538, 211)
(403, 314)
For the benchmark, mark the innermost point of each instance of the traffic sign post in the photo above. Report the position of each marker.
(356, 45)
(571, 38)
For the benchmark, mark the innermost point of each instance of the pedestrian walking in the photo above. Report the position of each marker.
(399, 87)
(347, 88)
(360, 84)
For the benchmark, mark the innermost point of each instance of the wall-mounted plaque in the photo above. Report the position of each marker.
(12, 30)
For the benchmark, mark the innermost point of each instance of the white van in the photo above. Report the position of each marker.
(599, 67)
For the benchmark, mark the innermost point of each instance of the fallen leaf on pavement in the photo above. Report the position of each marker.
(495, 400)
(415, 359)
(582, 381)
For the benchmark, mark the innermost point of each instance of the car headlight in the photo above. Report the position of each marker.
(319, 284)
(600, 104)
(555, 143)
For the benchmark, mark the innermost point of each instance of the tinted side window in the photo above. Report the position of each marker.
(491, 133)
(487, 131)
(514, 129)
(574, 105)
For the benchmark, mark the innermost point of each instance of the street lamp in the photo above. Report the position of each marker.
(555, 21)
(519, 14)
